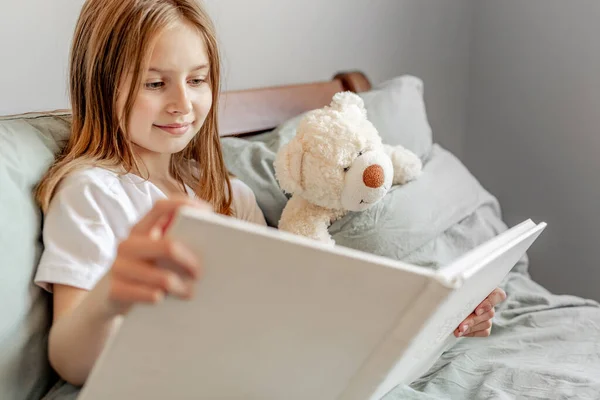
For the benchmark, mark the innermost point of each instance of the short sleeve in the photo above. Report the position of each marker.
(244, 203)
(79, 234)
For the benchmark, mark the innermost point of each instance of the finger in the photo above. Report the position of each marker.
(125, 292)
(496, 297)
(483, 317)
(464, 325)
(162, 212)
(482, 326)
(471, 321)
(483, 307)
(145, 274)
(177, 255)
(484, 333)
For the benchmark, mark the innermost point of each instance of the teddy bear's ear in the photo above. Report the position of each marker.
(344, 100)
(288, 166)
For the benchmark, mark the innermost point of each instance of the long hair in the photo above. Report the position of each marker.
(113, 38)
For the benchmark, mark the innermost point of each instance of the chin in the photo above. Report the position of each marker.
(175, 148)
(171, 145)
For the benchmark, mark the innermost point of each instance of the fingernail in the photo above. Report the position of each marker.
(178, 286)
(464, 328)
(479, 311)
(189, 291)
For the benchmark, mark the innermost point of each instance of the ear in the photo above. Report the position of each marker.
(344, 100)
(288, 166)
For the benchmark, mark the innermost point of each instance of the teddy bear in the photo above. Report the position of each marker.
(336, 163)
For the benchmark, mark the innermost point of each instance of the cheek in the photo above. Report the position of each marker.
(144, 112)
(327, 182)
(140, 121)
(202, 103)
(148, 105)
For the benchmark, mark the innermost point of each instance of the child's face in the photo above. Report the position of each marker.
(174, 97)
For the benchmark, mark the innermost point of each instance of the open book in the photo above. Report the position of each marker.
(278, 316)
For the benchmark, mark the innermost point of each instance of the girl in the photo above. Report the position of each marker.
(144, 85)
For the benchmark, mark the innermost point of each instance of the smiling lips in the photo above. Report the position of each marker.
(175, 129)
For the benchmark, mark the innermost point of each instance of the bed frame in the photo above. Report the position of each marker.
(251, 111)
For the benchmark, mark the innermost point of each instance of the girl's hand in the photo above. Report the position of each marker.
(479, 323)
(148, 266)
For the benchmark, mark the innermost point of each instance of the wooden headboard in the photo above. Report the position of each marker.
(251, 111)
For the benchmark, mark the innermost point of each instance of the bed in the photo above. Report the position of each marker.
(543, 346)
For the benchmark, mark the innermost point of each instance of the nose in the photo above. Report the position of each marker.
(180, 102)
(373, 176)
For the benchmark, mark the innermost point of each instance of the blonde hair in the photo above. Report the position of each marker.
(113, 38)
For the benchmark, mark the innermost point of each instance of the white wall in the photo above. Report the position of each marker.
(270, 42)
(34, 39)
(534, 128)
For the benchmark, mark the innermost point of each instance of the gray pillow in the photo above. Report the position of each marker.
(28, 145)
(397, 109)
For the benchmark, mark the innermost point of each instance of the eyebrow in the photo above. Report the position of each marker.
(196, 68)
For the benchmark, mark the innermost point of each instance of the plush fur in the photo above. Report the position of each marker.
(337, 163)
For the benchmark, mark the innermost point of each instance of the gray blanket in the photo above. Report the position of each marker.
(543, 346)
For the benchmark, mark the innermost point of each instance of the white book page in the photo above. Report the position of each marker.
(474, 257)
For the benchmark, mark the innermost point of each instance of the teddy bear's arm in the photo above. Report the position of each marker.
(306, 219)
(407, 165)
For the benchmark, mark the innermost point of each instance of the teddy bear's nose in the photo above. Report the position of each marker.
(373, 176)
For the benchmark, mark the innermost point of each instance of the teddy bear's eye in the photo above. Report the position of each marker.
(346, 169)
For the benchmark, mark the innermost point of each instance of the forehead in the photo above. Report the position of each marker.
(178, 48)
(341, 142)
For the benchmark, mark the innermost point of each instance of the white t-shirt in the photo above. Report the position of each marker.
(92, 211)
